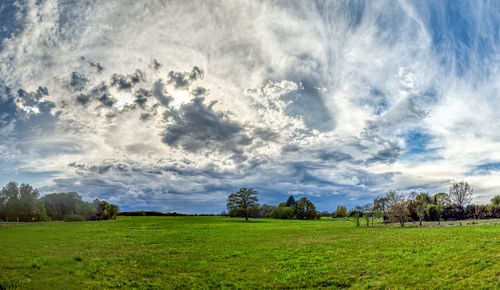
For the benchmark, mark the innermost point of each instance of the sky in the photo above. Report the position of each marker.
(172, 105)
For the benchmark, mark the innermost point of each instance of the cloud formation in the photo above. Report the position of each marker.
(183, 103)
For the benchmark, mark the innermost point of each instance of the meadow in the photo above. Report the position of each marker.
(219, 252)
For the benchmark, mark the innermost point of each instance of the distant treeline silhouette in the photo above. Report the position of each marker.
(23, 203)
(157, 213)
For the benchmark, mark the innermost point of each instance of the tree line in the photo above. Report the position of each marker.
(23, 203)
(244, 203)
(419, 207)
(391, 208)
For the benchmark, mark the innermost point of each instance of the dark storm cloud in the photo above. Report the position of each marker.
(126, 82)
(184, 79)
(196, 126)
(78, 81)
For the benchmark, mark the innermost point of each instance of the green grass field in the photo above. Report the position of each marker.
(217, 252)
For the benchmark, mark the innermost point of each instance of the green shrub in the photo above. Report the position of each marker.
(284, 212)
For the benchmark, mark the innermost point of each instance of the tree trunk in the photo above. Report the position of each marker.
(420, 222)
(246, 214)
(402, 222)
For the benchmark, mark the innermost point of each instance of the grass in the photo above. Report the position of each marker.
(217, 252)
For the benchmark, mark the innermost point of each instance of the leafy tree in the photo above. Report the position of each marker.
(324, 213)
(380, 207)
(418, 206)
(496, 200)
(435, 212)
(424, 198)
(266, 210)
(461, 193)
(340, 212)
(3, 206)
(356, 214)
(305, 209)
(366, 211)
(105, 211)
(421, 209)
(381, 203)
(290, 201)
(59, 205)
(11, 190)
(441, 198)
(21, 203)
(244, 198)
(112, 211)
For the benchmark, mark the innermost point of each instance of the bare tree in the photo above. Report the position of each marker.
(398, 211)
(461, 193)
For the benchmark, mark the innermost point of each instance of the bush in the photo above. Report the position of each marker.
(253, 212)
(493, 211)
(73, 218)
(453, 212)
(284, 212)
(434, 212)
